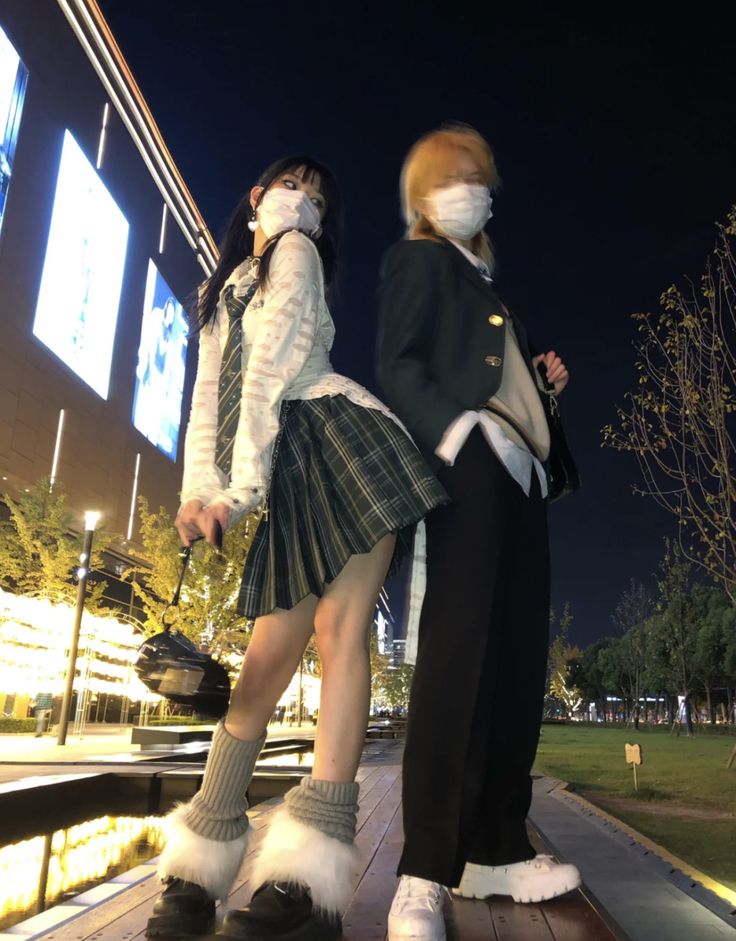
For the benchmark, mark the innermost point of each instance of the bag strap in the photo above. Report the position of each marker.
(185, 553)
(515, 425)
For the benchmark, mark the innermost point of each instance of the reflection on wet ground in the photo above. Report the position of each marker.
(72, 857)
(47, 869)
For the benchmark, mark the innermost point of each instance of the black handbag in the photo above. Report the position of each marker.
(170, 664)
(563, 476)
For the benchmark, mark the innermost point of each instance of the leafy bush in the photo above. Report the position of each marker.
(8, 724)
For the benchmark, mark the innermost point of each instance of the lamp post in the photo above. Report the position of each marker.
(91, 519)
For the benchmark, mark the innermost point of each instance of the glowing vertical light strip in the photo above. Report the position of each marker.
(162, 236)
(103, 134)
(57, 450)
(97, 64)
(161, 174)
(133, 496)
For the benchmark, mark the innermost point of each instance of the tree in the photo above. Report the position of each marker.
(674, 632)
(207, 613)
(716, 622)
(630, 617)
(39, 547)
(679, 419)
(390, 682)
(562, 657)
(587, 674)
(395, 684)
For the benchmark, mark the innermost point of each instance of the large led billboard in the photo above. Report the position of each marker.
(162, 354)
(13, 81)
(79, 297)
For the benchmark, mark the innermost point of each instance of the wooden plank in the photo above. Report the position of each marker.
(370, 799)
(373, 831)
(573, 918)
(99, 917)
(469, 920)
(514, 922)
(379, 843)
(367, 914)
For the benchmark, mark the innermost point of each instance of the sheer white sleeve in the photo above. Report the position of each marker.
(202, 478)
(283, 336)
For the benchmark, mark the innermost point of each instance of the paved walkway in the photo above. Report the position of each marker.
(647, 899)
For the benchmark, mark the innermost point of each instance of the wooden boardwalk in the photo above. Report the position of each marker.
(379, 841)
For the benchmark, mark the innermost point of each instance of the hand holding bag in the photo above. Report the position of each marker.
(170, 664)
(563, 476)
(562, 472)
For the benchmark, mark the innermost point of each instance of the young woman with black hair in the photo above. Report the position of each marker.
(342, 488)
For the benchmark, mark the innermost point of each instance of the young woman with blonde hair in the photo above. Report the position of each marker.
(456, 367)
(342, 487)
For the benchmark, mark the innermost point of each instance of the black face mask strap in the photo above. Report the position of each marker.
(185, 554)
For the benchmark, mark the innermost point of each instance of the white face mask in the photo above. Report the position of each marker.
(459, 211)
(282, 209)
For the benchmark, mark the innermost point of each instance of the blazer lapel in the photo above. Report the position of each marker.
(467, 270)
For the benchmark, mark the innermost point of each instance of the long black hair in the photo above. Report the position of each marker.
(237, 243)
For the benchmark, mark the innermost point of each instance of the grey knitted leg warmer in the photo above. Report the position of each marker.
(217, 810)
(207, 838)
(310, 841)
(330, 806)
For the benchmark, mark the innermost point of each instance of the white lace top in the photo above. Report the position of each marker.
(287, 336)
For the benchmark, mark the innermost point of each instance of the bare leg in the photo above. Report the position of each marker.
(271, 660)
(342, 627)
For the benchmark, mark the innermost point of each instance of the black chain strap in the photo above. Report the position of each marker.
(185, 553)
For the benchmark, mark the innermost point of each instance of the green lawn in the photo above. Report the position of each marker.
(690, 792)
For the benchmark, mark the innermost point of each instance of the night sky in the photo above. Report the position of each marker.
(615, 139)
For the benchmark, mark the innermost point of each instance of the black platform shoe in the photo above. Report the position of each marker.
(183, 910)
(280, 911)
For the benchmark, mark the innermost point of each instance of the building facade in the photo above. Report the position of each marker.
(101, 245)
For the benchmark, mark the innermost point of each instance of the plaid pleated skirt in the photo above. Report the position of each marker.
(344, 476)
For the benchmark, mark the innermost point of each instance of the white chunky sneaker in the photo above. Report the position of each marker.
(534, 880)
(416, 911)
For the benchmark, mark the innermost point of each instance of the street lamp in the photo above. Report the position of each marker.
(91, 518)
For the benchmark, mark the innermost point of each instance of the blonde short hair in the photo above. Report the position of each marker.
(428, 162)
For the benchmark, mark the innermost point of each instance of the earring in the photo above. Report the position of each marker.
(253, 222)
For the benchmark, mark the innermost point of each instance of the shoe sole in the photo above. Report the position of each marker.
(413, 936)
(523, 900)
(179, 926)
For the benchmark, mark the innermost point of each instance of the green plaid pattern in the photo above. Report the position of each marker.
(231, 377)
(345, 476)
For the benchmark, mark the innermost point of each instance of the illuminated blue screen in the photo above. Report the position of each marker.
(162, 355)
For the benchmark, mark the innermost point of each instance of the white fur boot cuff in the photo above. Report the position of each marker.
(292, 851)
(213, 864)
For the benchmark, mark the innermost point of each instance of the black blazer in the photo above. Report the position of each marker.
(440, 339)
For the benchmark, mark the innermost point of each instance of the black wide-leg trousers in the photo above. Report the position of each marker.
(478, 689)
